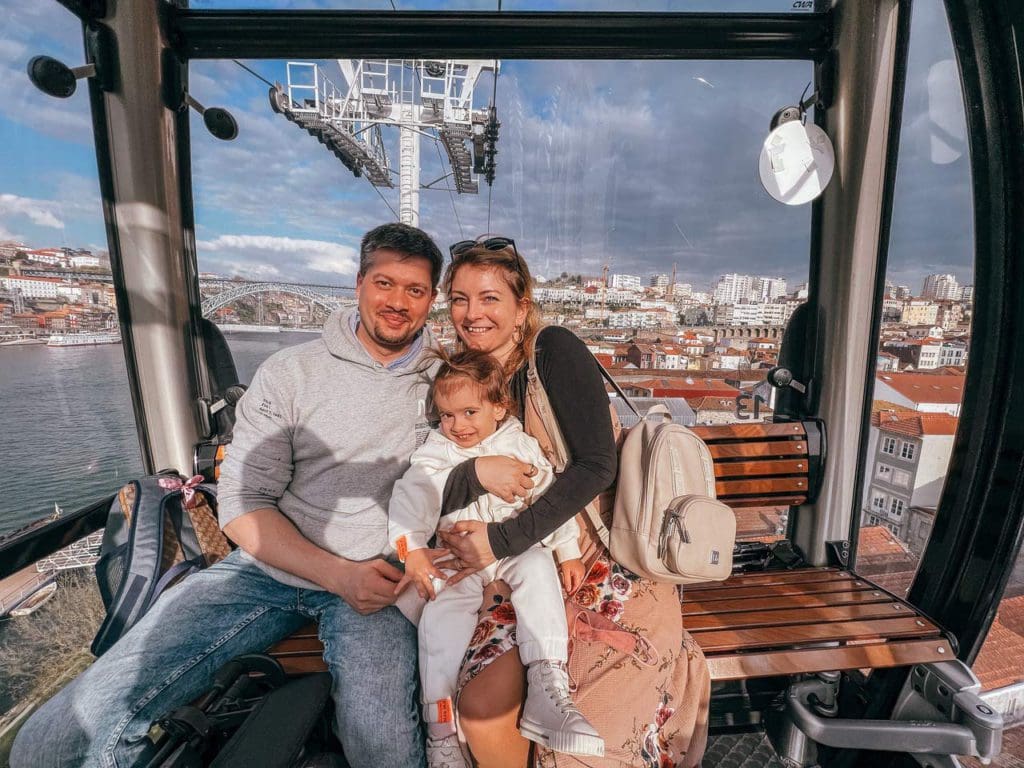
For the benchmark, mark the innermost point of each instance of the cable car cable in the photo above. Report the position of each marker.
(255, 74)
(451, 194)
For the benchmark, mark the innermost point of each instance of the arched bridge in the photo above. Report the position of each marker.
(239, 290)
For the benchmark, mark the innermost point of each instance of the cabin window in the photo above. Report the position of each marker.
(69, 430)
(928, 304)
(742, 6)
(69, 436)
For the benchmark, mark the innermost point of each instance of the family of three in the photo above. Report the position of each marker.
(376, 482)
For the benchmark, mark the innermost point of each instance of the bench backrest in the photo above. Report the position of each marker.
(763, 465)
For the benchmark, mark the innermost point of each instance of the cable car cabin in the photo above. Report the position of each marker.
(866, 433)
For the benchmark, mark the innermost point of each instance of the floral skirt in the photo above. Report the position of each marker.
(627, 644)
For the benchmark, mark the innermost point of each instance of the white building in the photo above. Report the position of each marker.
(941, 287)
(909, 454)
(84, 261)
(768, 289)
(625, 282)
(32, 287)
(659, 281)
(733, 288)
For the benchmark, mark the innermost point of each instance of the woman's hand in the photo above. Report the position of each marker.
(467, 540)
(505, 477)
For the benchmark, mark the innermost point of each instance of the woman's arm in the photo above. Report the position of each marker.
(576, 390)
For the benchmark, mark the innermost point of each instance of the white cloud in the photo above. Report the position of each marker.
(260, 254)
(39, 212)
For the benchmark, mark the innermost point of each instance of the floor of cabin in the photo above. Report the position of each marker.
(740, 750)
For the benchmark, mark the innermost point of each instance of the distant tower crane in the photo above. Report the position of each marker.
(421, 97)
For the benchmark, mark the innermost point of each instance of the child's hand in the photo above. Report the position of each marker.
(419, 569)
(572, 575)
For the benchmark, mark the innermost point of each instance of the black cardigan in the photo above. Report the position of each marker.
(576, 390)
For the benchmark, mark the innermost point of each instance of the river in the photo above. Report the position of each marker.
(69, 433)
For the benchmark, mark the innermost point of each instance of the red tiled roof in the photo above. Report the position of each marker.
(915, 423)
(1001, 661)
(926, 387)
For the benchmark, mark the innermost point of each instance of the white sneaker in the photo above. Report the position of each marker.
(549, 716)
(445, 753)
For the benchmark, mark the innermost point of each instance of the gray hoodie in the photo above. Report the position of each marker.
(322, 434)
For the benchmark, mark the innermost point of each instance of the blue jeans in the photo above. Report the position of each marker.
(169, 658)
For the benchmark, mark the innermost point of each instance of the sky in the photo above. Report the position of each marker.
(640, 165)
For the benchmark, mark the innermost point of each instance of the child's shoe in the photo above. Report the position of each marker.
(549, 716)
(445, 753)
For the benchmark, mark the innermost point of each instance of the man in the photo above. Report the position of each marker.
(322, 434)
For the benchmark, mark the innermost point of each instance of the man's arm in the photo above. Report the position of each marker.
(256, 471)
(273, 539)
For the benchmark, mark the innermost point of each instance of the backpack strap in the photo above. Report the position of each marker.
(537, 398)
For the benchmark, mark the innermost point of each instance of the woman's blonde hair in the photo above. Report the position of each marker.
(517, 276)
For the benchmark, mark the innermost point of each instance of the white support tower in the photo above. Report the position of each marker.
(420, 97)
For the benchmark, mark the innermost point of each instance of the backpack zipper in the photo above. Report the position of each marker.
(669, 517)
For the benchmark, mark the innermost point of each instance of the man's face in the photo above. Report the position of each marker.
(394, 297)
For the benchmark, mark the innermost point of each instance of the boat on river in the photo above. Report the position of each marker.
(84, 339)
(35, 601)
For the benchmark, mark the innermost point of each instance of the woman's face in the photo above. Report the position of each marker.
(484, 310)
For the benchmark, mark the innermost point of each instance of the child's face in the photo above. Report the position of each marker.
(467, 417)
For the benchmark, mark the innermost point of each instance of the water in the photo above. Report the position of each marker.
(68, 429)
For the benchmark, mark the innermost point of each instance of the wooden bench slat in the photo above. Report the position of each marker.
(780, 617)
(733, 640)
(303, 665)
(779, 590)
(747, 450)
(896, 653)
(726, 488)
(726, 469)
(795, 576)
(743, 502)
(717, 432)
(863, 595)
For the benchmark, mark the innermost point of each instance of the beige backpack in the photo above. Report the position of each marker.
(666, 523)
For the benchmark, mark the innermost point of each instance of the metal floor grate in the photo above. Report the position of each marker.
(740, 750)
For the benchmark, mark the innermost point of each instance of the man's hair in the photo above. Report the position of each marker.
(470, 366)
(405, 240)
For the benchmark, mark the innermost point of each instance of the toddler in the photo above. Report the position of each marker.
(472, 398)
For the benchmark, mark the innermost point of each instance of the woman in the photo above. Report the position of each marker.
(489, 290)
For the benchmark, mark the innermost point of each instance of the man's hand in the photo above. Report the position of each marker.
(572, 574)
(419, 571)
(505, 477)
(366, 586)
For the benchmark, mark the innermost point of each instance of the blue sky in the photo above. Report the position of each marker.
(640, 165)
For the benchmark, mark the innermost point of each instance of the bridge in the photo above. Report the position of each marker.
(233, 291)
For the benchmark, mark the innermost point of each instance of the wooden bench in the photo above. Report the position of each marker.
(769, 623)
(807, 620)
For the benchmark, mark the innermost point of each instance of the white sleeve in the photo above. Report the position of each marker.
(416, 498)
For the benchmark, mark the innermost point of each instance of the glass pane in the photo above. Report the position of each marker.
(630, 187)
(69, 429)
(925, 338)
(718, 6)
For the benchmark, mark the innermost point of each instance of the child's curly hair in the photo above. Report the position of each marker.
(478, 368)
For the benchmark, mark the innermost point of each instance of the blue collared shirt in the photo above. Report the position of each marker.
(411, 354)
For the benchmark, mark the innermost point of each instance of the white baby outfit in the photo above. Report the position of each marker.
(447, 624)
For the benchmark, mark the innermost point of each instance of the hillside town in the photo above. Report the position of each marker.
(704, 350)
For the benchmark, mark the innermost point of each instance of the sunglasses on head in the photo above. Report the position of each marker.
(490, 243)
(495, 243)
